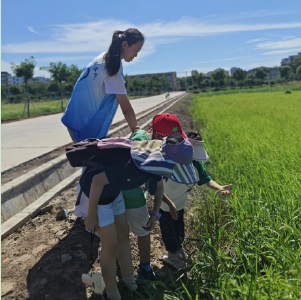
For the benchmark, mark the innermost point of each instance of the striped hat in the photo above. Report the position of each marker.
(151, 157)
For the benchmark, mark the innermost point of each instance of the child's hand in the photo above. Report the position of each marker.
(150, 224)
(173, 211)
(91, 222)
(225, 190)
(136, 128)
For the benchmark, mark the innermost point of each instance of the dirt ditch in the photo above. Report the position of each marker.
(47, 256)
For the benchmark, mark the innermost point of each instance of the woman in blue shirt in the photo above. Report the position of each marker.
(100, 88)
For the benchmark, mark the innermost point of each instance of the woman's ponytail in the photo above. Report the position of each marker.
(112, 57)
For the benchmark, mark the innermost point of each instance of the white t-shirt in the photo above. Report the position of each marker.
(177, 193)
(115, 84)
(112, 84)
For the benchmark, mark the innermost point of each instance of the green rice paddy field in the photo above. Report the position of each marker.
(250, 244)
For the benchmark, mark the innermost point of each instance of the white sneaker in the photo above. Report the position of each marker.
(175, 260)
(88, 230)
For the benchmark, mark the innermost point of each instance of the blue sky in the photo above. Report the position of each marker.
(180, 35)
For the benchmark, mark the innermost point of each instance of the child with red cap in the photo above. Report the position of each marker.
(175, 199)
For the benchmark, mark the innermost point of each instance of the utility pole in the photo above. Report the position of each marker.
(186, 81)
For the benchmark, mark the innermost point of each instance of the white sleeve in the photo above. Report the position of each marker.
(115, 84)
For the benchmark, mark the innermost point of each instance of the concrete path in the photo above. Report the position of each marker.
(24, 140)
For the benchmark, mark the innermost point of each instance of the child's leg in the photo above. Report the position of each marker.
(124, 254)
(144, 249)
(169, 233)
(107, 256)
(181, 226)
(136, 218)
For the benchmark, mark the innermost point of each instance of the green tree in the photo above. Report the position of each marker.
(207, 83)
(53, 87)
(15, 89)
(156, 84)
(221, 82)
(39, 87)
(69, 88)
(213, 83)
(251, 80)
(295, 63)
(74, 73)
(285, 72)
(143, 85)
(298, 72)
(165, 84)
(189, 80)
(232, 83)
(59, 73)
(3, 91)
(261, 73)
(239, 75)
(25, 70)
(137, 84)
(182, 82)
(218, 75)
(197, 79)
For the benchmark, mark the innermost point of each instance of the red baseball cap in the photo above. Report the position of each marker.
(165, 124)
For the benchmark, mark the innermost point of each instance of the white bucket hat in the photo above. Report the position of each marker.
(199, 152)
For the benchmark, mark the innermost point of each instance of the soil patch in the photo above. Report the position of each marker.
(47, 256)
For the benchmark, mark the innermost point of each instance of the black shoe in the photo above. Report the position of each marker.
(144, 275)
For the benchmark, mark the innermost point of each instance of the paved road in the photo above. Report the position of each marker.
(24, 140)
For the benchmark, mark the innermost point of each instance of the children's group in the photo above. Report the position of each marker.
(163, 161)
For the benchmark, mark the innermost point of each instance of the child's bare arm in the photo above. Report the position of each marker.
(98, 182)
(172, 207)
(225, 189)
(157, 203)
(128, 111)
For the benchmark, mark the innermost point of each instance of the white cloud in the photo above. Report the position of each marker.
(257, 40)
(225, 59)
(283, 51)
(30, 28)
(292, 43)
(94, 37)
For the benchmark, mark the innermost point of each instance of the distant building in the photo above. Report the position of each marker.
(39, 78)
(5, 78)
(16, 80)
(233, 69)
(194, 72)
(171, 77)
(286, 61)
(274, 73)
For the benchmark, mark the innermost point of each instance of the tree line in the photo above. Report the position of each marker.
(219, 79)
(155, 84)
(63, 79)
